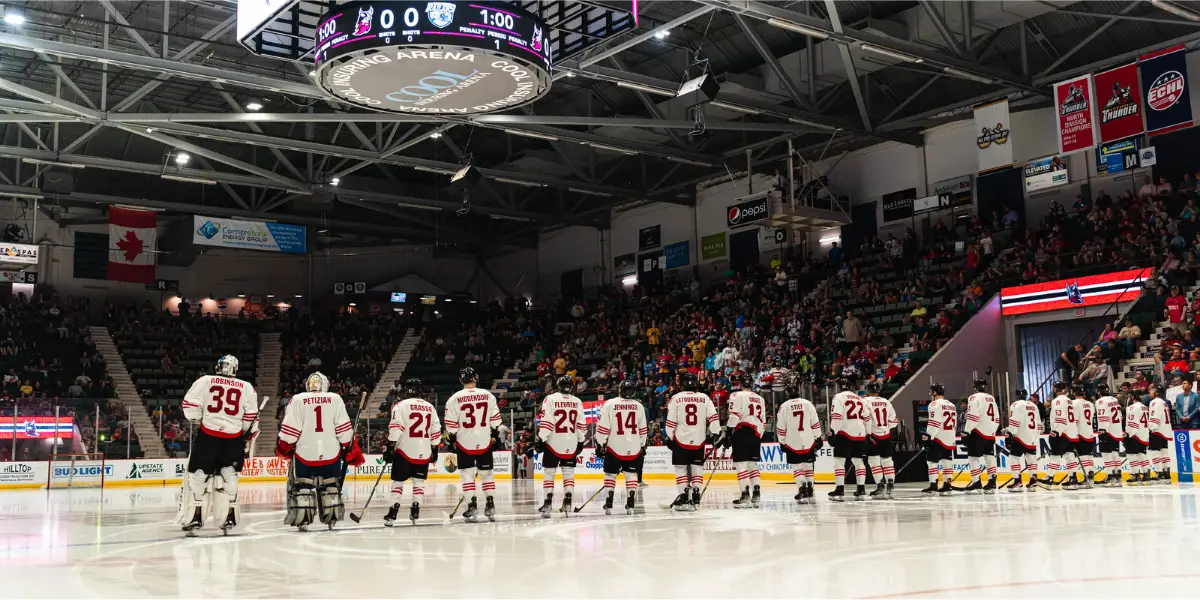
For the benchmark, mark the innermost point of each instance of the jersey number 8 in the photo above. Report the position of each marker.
(690, 415)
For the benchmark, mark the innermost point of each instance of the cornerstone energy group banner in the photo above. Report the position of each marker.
(248, 235)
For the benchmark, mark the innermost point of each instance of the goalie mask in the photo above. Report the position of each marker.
(227, 365)
(317, 383)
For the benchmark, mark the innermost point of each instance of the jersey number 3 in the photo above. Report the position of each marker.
(230, 399)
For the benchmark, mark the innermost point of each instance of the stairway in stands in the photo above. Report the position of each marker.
(1143, 359)
(394, 370)
(147, 434)
(269, 356)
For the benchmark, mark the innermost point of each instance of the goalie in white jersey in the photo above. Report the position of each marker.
(747, 422)
(881, 420)
(692, 422)
(414, 432)
(560, 439)
(225, 409)
(798, 429)
(316, 434)
(1024, 436)
(472, 419)
(1110, 427)
(979, 433)
(621, 438)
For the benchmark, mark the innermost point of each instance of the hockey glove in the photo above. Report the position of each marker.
(433, 452)
(579, 449)
(539, 445)
(284, 449)
(388, 453)
(451, 439)
(494, 443)
(817, 445)
(352, 454)
(670, 444)
(726, 441)
(602, 450)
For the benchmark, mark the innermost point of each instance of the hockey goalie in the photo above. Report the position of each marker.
(316, 435)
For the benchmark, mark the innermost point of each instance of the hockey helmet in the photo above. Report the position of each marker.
(1159, 391)
(1077, 391)
(1059, 387)
(980, 384)
(468, 376)
(745, 381)
(689, 382)
(874, 388)
(564, 384)
(627, 389)
(1020, 394)
(846, 383)
(227, 365)
(937, 389)
(1102, 389)
(317, 382)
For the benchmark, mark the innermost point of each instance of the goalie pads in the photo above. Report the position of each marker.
(329, 496)
(301, 503)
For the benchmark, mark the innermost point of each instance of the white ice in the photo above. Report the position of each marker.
(1131, 542)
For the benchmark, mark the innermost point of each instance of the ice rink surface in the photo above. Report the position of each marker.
(1130, 542)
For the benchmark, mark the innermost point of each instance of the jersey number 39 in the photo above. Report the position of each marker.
(230, 399)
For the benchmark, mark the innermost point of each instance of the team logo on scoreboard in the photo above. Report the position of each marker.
(1073, 294)
(365, 18)
(30, 428)
(440, 14)
(536, 42)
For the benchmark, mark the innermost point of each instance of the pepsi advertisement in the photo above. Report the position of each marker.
(1165, 89)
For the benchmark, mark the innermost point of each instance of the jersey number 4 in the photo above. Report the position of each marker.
(230, 399)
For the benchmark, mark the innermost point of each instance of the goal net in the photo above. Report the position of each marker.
(80, 470)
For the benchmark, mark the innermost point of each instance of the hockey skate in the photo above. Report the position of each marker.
(489, 508)
(695, 498)
(681, 503)
(755, 497)
(946, 488)
(880, 492)
(990, 486)
(838, 494)
(931, 490)
(195, 524)
(608, 503)
(1089, 480)
(1165, 478)
(392, 513)
(414, 512)
(1113, 480)
(860, 493)
(472, 511)
(1031, 487)
(630, 502)
(567, 505)
(547, 506)
(230, 521)
(975, 487)
(1016, 487)
(891, 490)
(744, 500)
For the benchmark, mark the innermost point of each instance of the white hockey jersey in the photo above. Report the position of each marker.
(622, 427)
(318, 425)
(848, 416)
(563, 426)
(1160, 419)
(414, 429)
(1137, 425)
(1063, 418)
(471, 415)
(943, 423)
(224, 407)
(1108, 417)
(1084, 411)
(881, 417)
(747, 409)
(1025, 423)
(797, 426)
(691, 417)
(983, 416)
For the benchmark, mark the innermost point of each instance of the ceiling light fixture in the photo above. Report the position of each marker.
(254, 106)
(335, 181)
(186, 179)
(967, 75)
(435, 135)
(662, 33)
(532, 134)
(629, 85)
(519, 182)
(434, 170)
(589, 192)
(14, 17)
(511, 218)
(790, 26)
(53, 163)
(687, 161)
(624, 151)
(182, 158)
(891, 53)
(735, 107)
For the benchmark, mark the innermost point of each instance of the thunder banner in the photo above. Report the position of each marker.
(1075, 101)
(1164, 85)
(1119, 98)
(1093, 290)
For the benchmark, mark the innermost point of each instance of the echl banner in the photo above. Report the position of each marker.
(1119, 98)
(1093, 290)
(1076, 115)
(1164, 86)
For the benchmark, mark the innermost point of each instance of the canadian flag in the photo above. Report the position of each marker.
(132, 234)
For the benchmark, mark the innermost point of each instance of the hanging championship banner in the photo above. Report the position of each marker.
(1076, 115)
(1164, 85)
(1120, 101)
(994, 127)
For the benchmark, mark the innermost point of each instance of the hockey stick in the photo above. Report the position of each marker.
(588, 501)
(254, 438)
(358, 517)
(362, 405)
(707, 456)
(456, 507)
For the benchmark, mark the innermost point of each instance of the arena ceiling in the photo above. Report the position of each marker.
(121, 88)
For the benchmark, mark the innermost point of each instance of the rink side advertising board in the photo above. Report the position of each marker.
(449, 58)
(1093, 290)
(1165, 88)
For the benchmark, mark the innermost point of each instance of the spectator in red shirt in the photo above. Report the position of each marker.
(1178, 365)
(1176, 304)
(720, 395)
(891, 371)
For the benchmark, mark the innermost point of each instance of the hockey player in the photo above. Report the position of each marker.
(226, 410)
(882, 420)
(798, 430)
(979, 435)
(1024, 434)
(414, 433)
(940, 440)
(621, 438)
(848, 429)
(1110, 426)
(747, 423)
(560, 436)
(691, 423)
(472, 418)
(1160, 436)
(1064, 438)
(316, 434)
(1085, 411)
(1137, 440)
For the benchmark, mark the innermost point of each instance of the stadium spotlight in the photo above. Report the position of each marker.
(14, 16)
(182, 158)
(254, 106)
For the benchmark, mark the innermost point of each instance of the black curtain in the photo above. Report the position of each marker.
(1041, 345)
(1000, 189)
(572, 285)
(743, 249)
(864, 223)
(1176, 154)
(650, 270)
